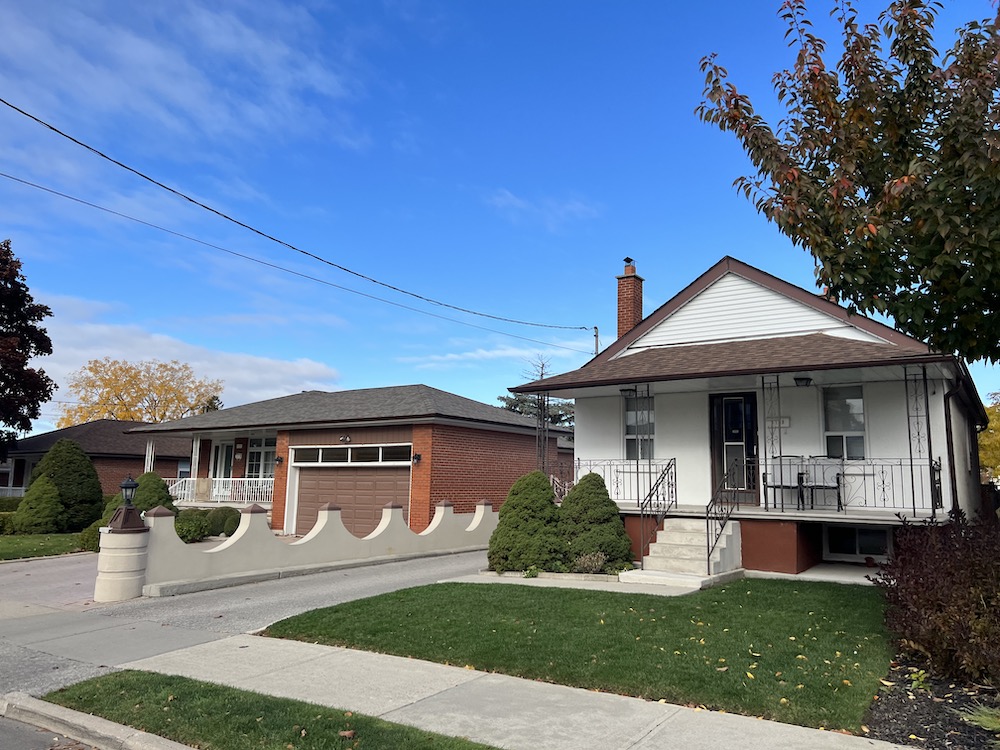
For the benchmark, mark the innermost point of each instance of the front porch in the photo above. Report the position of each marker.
(222, 491)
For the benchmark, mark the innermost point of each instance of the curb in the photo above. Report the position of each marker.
(86, 728)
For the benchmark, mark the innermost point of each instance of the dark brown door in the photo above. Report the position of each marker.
(734, 443)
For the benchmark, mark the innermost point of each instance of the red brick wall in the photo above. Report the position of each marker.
(420, 477)
(280, 481)
(633, 527)
(204, 458)
(468, 466)
(240, 447)
(112, 471)
(781, 546)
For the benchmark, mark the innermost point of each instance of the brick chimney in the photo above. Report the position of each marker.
(629, 299)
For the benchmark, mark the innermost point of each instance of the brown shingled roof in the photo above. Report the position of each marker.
(817, 351)
(105, 437)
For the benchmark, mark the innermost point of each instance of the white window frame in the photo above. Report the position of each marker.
(296, 461)
(845, 435)
(642, 442)
(263, 452)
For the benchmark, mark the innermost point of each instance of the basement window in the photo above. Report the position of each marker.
(855, 543)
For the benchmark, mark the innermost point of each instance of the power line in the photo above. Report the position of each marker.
(272, 238)
(276, 267)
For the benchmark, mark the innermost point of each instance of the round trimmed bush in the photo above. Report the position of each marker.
(527, 529)
(77, 486)
(590, 523)
(192, 525)
(232, 523)
(6, 523)
(40, 512)
(152, 492)
(218, 518)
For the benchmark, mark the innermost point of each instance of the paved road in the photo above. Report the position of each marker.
(17, 736)
(47, 614)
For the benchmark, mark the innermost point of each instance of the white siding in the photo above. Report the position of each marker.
(734, 308)
(598, 432)
(682, 432)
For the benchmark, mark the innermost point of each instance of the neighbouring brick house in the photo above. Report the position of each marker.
(114, 450)
(412, 445)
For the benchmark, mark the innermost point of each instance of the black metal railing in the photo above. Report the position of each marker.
(844, 485)
(740, 478)
(662, 497)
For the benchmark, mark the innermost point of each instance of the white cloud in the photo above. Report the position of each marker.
(78, 336)
(551, 213)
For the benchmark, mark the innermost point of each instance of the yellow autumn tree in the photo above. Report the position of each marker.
(989, 439)
(145, 391)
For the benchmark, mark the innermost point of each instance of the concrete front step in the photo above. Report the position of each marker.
(671, 535)
(690, 581)
(683, 551)
(675, 564)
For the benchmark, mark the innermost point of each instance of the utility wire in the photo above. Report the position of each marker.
(272, 238)
(83, 202)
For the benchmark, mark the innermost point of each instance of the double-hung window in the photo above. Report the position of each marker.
(639, 424)
(260, 458)
(844, 421)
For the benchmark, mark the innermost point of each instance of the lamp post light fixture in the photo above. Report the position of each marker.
(127, 519)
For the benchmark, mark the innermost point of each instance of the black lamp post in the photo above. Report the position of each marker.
(126, 519)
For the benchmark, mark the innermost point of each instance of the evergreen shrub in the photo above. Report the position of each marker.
(6, 523)
(218, 518)
(77, 485)
(527, 529)
(942, 591)
(232, 523)
(590, 524)
(192, 525)
(40, 512)
(151, 492)
(9, 504)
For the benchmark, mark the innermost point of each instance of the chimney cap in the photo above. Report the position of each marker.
(629, 260)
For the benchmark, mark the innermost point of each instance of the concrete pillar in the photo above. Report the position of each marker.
(121, 565)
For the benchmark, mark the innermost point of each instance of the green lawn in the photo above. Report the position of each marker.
(798, 652)
(213, 717)
(37, 545)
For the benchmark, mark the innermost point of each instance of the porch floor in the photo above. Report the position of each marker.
(826, 572)
(825, 515)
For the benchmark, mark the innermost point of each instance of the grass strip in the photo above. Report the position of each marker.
(798, 652)
(214, 717)
(19, 546)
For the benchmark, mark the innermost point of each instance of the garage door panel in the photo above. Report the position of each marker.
(361, 494)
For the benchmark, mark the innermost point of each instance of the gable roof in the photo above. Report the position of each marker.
(405, 403)
(104, 437)
(832, 338)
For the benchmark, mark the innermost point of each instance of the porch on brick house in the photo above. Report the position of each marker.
(222, 491)
(800, 486)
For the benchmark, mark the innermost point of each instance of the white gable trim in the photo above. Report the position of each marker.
(733, 308)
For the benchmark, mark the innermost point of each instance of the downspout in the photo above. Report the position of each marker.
(950, 440)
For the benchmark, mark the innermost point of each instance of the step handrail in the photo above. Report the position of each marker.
(661, 498)
(725, 501)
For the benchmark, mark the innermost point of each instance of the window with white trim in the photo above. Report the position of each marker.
(639, 427)
(260, 458)
(844, 421)
(355, 454)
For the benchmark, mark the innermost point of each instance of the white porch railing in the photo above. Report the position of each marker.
(628, 481)
(12, 491)
(231, 491)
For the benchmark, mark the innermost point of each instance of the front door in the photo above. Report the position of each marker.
(222, 460)
(734, 443)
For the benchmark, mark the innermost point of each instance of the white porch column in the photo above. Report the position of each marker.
(195, 455)
(150, 455)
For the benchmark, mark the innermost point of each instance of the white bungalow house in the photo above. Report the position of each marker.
(786, 430)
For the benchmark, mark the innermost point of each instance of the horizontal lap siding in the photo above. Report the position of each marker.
(361, 493)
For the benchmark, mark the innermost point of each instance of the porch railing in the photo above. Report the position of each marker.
(654, 507)
(821, 483)
(242, 491)
(628, 481)
(12, 491)
(739, 479)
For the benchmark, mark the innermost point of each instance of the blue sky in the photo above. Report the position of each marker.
(497, 156)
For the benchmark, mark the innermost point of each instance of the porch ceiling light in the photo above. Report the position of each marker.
(803, 381)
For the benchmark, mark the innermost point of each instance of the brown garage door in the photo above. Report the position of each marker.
(360, 493)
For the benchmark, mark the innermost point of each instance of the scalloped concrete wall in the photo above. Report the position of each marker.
(254, 553)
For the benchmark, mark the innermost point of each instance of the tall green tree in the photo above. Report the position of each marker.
(23, 389)
(886, 167)
(76, 480)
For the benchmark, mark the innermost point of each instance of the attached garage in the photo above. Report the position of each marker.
(360, 492)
